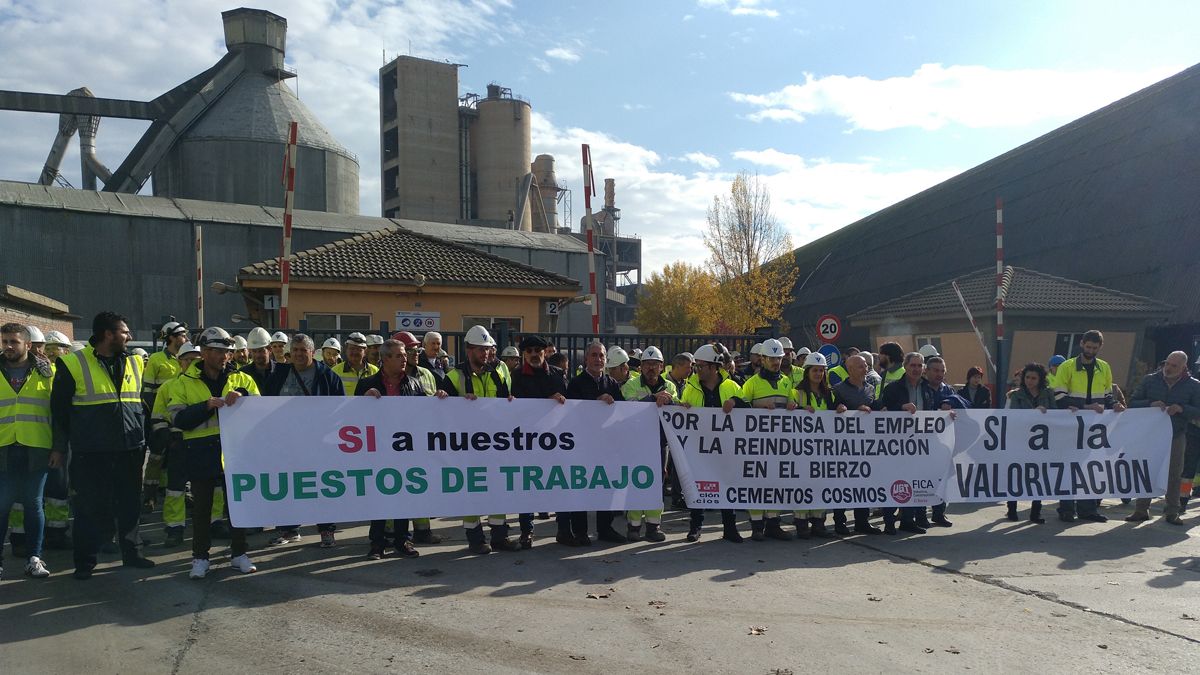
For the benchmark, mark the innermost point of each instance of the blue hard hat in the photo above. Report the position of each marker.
(1057, 359)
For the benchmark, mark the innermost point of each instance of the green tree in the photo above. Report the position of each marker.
(750, 256)
(680, 299)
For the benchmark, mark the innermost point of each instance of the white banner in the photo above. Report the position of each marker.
(1025, 454)
(780, 460)
(336, 459)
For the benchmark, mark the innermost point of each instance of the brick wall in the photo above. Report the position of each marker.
(45, 323)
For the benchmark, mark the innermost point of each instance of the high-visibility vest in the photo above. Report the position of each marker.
(25, 414)
(189, 390)
(351, 377)
(806, 399)
(97, 399)
(488, 384)
(888, 377)
(162, 367)
(836, 374)
(427, 379)
(1074, 382)
(758, 390)
(636, 389)
(693, 392)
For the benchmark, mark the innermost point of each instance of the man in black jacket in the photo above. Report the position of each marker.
(907, 394)
(593, 384)
(392, 380)
(304, 376)
(97, 412)
(855, 393)
(535, 378)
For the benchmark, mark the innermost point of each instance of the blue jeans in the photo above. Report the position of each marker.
(18, 483)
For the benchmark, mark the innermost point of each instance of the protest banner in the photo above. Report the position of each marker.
(781, 460)
(336, 459)
(1026, 454)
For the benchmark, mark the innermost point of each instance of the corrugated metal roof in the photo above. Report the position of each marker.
(1027, 291)
(42, 196)
(1110, 199)
(394, 255)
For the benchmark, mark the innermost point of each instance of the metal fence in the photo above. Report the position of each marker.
(571, 344)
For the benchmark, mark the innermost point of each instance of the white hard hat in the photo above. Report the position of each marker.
(707, 353)
(815, 359)
(757, 348)
(636, 353)
(653, 353)
(510, 351)
(374, 340)
(803, 351)
(771, 349)
(239, 342)
(172, 328)
(56, 338)
(138, 351)
(332, 343)
(35, 334)
(258, 338)
(279, 336)
(616, 356)
(478, 336)
(215, 338)
(77, 347)
(786, 342)
(928, 351)
(356, 339)
(188, 348)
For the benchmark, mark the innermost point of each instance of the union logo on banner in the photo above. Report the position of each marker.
(902, 491)
(708, 486)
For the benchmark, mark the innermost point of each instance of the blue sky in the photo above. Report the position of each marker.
(842, 108)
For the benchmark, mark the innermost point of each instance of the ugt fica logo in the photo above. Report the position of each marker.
(708, 486)
(901, 491)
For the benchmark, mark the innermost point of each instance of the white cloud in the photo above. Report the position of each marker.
(935, 96)
(635, 106)
(688, 17)
(741, 7)
(702, 160)
(666, 209)
(542, 65)
(138, 50)
(563, 54)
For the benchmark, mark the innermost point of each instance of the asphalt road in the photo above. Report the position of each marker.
(987, 595)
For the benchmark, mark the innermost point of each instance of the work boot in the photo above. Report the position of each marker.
(731, 534)
(526, 540)
(425, 537)
(775, 531)
(475, 541)
(817, 526)
(841, 529)
(1035, 514)
(566, 539)
(1137, 517)
(867, 528)
(500, 540)
(174, 537)
(802, 528)
(654, 532)
(912, 528)
(693, 534)
(610, 535)
(757, 528)
(633, 532)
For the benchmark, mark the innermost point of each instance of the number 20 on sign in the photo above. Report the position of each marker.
(829, 328)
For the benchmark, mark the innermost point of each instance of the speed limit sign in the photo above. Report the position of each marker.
(829, 327)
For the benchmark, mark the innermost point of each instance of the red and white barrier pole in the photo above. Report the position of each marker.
(589, 189)
(289, 198)
(1001, 375)
(199, 275)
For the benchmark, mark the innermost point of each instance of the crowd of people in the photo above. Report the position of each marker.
(130, 433)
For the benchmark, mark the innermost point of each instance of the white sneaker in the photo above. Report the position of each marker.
(36, 568)
(242, 564)
(199, 568)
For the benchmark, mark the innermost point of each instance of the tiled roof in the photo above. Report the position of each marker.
(398, 255)
(1027, 292)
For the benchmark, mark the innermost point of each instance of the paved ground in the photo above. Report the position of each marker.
(987, 595)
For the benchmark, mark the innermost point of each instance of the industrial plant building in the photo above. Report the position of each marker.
(457, 169)
(1110, 200)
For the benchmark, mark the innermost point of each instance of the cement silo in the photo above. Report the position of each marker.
(234, 151)
(545, 202)
(500, 150)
